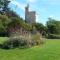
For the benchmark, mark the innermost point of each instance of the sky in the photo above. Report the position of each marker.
(44, 9)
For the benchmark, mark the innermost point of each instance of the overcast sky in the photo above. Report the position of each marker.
(44, 8)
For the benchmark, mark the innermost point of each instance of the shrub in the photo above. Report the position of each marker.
(53, 36)
(14, 43)
(37, 39)
(4, 34)
(6, 45)
(0, 45)
(22, 42)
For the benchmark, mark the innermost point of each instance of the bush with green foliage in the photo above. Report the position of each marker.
(4, 21)
(53, 36)
(53, 26)
(38, 39)
(22, 42)
(14, 43)
(41, 28)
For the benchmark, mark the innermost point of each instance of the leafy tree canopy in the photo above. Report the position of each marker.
(4, 5)
(4, 21)
(53, 26)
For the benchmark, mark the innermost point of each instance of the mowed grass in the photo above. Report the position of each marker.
(2, 39)
(48, 51)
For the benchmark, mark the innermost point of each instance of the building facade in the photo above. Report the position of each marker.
(30, 16)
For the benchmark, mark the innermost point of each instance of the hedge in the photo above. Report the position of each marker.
(53, 36)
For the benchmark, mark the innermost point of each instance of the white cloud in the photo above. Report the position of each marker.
(22, 5)
(32, 1)
(18, 4)
(51, 16)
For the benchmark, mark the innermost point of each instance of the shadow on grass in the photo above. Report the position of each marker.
(6, 47)
(9, 47)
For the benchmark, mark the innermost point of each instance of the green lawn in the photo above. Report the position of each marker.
(49, 51)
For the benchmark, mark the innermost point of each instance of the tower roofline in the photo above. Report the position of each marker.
(27, 5)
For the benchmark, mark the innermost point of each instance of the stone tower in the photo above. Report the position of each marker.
(30, 16)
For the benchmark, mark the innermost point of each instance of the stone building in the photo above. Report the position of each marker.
(30, 16)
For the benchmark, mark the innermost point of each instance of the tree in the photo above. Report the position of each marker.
(4, 21)
(4, 5)
(20, 22)
(53, 26)
(40, 27)
(11, 13)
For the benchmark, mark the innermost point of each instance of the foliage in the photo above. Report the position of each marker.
(22, 42)
(20, 22)
(53, 36)
(4, 6)
(14, 43)
(10, 13)
(38, 39)
(53, 26)
(41, 28)
(4, 21)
